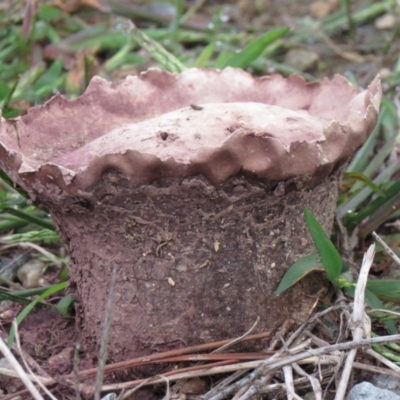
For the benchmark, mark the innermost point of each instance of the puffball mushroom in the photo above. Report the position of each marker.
(193, 186)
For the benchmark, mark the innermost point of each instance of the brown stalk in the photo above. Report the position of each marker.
(160, 356)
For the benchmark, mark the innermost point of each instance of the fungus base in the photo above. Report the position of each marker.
(195, 262)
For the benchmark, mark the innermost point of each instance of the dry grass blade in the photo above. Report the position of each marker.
(275, 341)
(254, 384)
(35, 378)
(130, 392)
(359, 322)
(291, 392)
(391, 253)
(384, 360)
(123, 365)
(377, 370)
(20, 371)
(262, 367)
(239, 339)
(131, 363)
(219, 350)
(28, 245)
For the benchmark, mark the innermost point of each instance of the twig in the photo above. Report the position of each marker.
(377, 370)
(311, 354)
(281, 386)
(239, 339)
(359, 322)
(35, 378)
(218, 350)
(253, 387)
(288, 374)
(314, 318)
(159, 356)
(12, 374)
(31, 362)
(383, 360)
(336, 354)
(288, 324)
(39, 249)
(315, 384)
(391, 253)
(130, 392)
(263, 366)
(255, 384)
(221, 385)
(21, 373)
(346, 55)
(382, 310)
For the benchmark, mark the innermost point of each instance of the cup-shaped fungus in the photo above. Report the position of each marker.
(192, 185)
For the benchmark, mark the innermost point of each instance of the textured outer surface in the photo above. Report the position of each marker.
(172, 229)
(192, 185)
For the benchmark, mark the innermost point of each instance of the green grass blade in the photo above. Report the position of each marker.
(254, 49)
(6, 102)
(11, 296)
(338, 20)
(31, 292)
(205, 55)
(64, 304)
(29, 307)
(28, 217)
(7, 223)
(380, 216)
(166, 59)
(355, 201)
(47, 81)
(44, 235)
(330, 257)
(360, 161)
(387, 290)
(118, 58)
(299, 270)
(11, 184)
(362, 178)
(376, 163)
(391, 192)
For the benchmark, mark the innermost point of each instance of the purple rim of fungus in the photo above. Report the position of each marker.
(210, 122)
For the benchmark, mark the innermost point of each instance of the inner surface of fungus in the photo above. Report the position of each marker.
(208, 122)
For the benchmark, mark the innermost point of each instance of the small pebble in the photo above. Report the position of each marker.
(5, 272)
(322, 8)
(8, 383)
(194, 386)
(301, 59)
(386, 22)
(30, 273)
(367, 391)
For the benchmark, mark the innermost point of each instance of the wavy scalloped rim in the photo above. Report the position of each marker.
(202, 121)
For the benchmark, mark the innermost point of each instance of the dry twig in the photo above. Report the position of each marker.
(19, 370)
(359, 322)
